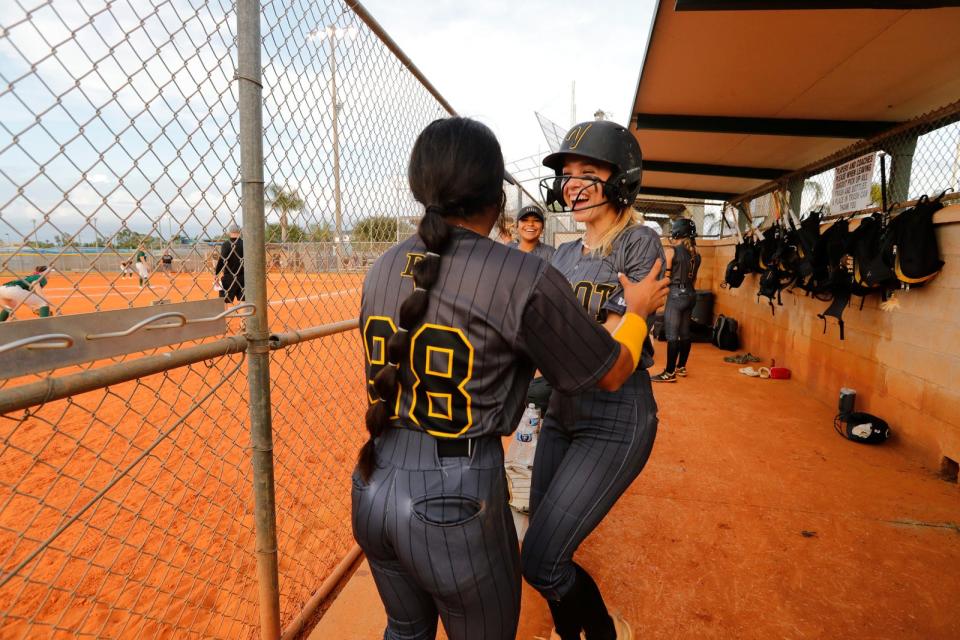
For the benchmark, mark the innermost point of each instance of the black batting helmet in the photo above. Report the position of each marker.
(607, 142)
(683, 228)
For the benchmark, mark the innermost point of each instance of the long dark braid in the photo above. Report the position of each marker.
(456, 169)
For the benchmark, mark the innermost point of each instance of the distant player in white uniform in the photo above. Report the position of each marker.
(23, 291)
(143, 270)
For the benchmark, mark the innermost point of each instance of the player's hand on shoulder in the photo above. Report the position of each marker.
(645, 297)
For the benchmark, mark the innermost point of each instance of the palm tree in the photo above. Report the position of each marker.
(284, 201)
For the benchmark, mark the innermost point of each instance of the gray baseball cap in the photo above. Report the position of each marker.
(233, 228)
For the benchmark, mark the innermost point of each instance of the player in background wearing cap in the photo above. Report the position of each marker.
(683, 263)
(592, 444)
(530, 221)
(25, 291)
(229, 270)
(453, 325)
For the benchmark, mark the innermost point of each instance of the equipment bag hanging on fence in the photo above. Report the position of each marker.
(734, 274)
(835, 247)
(872, 271)
(775, 252)
(916, 253)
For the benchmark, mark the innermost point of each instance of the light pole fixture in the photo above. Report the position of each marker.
(331, 33)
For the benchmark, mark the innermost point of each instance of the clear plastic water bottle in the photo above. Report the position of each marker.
(525, 437)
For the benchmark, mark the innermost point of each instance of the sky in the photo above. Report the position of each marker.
(500, 61)
(125, 115)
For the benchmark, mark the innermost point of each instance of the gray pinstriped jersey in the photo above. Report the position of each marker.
(683, 268)
(494, 316)
(542, 250)
(594, 278)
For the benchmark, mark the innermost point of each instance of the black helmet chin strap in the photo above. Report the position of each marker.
(552, 190)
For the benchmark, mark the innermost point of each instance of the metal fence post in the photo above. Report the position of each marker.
(258, 352)
(901, 153)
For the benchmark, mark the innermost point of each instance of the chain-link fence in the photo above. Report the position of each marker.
(137, 490)
(917, 158)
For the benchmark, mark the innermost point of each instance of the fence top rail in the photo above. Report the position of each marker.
(50, 389)
(371, 22)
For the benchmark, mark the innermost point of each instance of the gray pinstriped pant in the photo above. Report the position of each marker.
(440, 539)
(591, 448)
(676, 315)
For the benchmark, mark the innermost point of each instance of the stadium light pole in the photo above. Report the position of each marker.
(331, 33)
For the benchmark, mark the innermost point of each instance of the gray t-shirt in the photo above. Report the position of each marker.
(542, 250)
(494, 316)
(594, 278)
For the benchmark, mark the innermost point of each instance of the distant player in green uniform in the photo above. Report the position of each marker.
(140, 263)
(15, 293)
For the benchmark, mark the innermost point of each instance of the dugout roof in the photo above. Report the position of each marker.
(734, 94)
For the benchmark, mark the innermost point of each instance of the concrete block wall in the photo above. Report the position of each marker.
(904, 364)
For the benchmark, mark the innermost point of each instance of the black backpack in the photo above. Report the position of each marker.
(725, 334)
(799, 257)
(817, 283)
(913, 241)
(746, 260)
(734, 275)
(775, 255)
(872, 257)
(832, 250)
(748, 255)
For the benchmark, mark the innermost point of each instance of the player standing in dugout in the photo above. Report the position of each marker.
(593, 443)
(530, 222)
(453, 325)
(683, 264)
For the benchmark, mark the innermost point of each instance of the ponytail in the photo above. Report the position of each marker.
(435, 233)
(456, 169)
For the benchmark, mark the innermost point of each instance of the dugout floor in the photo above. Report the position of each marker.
(753, 519)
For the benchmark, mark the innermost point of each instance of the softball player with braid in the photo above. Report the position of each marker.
(683, 263)
(453, 325)
(592, 444)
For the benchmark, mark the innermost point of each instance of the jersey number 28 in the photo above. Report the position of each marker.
(441, 361)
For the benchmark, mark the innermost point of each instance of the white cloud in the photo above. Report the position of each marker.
(500, 61)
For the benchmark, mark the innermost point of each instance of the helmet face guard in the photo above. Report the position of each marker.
(605, 142)
(620, 190)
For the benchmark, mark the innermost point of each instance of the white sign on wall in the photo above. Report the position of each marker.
(851, 184)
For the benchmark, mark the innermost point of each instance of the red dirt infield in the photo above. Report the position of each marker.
(169, 549)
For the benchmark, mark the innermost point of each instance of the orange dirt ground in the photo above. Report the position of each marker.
(169, 551)
(753, 519)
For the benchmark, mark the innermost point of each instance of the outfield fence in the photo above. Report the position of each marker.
(199, 488)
